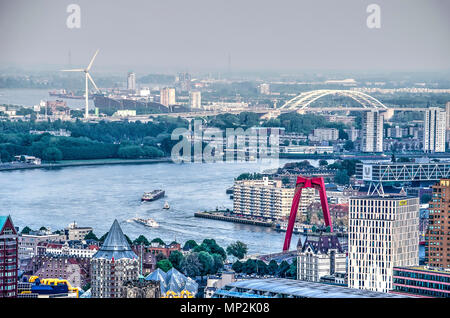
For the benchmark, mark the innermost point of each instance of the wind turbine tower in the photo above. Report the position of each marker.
(87, 78)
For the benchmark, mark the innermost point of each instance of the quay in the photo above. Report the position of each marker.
(220, 215)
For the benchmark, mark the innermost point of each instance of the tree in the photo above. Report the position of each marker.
(207, 263)
(141, 240)
(189, 245)
(272, 267)
(191, 265)
(237, 249)
(159, 241)
(130, 152)
(250, 266)
(26, 230)
(323, 163)
(52, 154)
(217, 263)
(160, 256)
(164, 264)
(176, 258)
(43, 228)
(91, 236)
(283, 268)
(5, 156)
(349, 145)
(212, 247)
(237, 266)
(341, 177)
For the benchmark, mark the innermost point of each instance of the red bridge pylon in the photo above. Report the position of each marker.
(302, 182)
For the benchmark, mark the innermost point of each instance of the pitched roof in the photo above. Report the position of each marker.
(116, 245)
(5, 219)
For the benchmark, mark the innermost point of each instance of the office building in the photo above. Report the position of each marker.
(267, 199)
(131, 81)
(437, 237)
(114, 264)
(195, 99)
(9, 258)
(434, 130)
(372, 132)
(383, 234)
(320, 255)
(184, 81)
(167, 96)
(422, 281)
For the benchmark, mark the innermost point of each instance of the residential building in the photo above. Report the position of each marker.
(267, 199)
(28, 243)
(77, 233)
(434, 130)
(372, 132)
(114, 264)
(167, 96)
(422, 281)
(324, 134)
(184, 81)
(383, 234)
(437, 236)
(9, 258)
(195, 99)
(131, 81)
(320, 255)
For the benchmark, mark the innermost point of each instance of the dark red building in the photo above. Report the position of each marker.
(9, 251)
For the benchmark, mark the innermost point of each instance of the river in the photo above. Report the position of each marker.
(96, 195)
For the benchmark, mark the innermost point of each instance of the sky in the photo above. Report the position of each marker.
(240, 35)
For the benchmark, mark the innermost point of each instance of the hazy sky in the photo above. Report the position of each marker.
(199, 35)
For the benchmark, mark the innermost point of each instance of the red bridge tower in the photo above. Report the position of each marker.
(302, 182)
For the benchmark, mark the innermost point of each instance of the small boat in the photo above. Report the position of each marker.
(166, 206)
(152, 196)
(147, 222)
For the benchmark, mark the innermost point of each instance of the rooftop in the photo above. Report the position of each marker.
(116, 245)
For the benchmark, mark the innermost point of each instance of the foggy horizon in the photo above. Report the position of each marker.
(220, 36)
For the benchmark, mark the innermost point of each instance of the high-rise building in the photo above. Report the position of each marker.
(9, 258)
(434, 130)
(195, 99)
(447, 110)
(264, 89)
(267, 199)
(437, 237)
(184, 81)
(167, 96)
(114, 264)
(131, 81)
(383, 234)
(320, 255)
(372, 132)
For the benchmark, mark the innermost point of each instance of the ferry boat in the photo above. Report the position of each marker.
(166, 206)
(152, 196)
(147, 222)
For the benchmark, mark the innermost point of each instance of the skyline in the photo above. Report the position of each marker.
(199, 36)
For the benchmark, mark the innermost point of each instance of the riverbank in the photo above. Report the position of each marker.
(79, 163)
(222, 216)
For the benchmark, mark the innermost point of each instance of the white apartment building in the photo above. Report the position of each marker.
(167, 96)
(372, 132)
(324, 134)
(320, 255)
(434, 130)
(195, 99)
(383, 234)
(267, 199)
(131, 81)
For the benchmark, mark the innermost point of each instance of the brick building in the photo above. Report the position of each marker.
(9, 258)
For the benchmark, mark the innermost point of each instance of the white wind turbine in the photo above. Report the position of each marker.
(87, 76)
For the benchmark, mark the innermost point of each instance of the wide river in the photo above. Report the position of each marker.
(96, 195)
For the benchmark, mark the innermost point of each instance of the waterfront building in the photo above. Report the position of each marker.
(195, 99)
(77, 233)
(9, 258)
(383, 234)
(422, 281)
(267, 199)
(434, 130)
(437, 237)
(290, 288)
(320, 255)
(131, 81)
(307, 149)
(167, 96)
(372, 132)
(112, 265)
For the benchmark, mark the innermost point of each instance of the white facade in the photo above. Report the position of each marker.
(372, 132)
(447, 110)
(324, 134)
(264, 89)
(167, 96)
(131, 81)
(383, 234)
(268, 199)
(195, 99)
(434, 130)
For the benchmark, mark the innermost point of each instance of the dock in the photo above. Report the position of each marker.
(220, 215)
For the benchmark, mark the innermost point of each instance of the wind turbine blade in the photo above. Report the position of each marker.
(92, 61)
(92, 81)
(74, 70)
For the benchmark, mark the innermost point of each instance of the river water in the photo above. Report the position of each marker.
(96, 195)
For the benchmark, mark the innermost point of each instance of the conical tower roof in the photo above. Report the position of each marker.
(116, 245)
